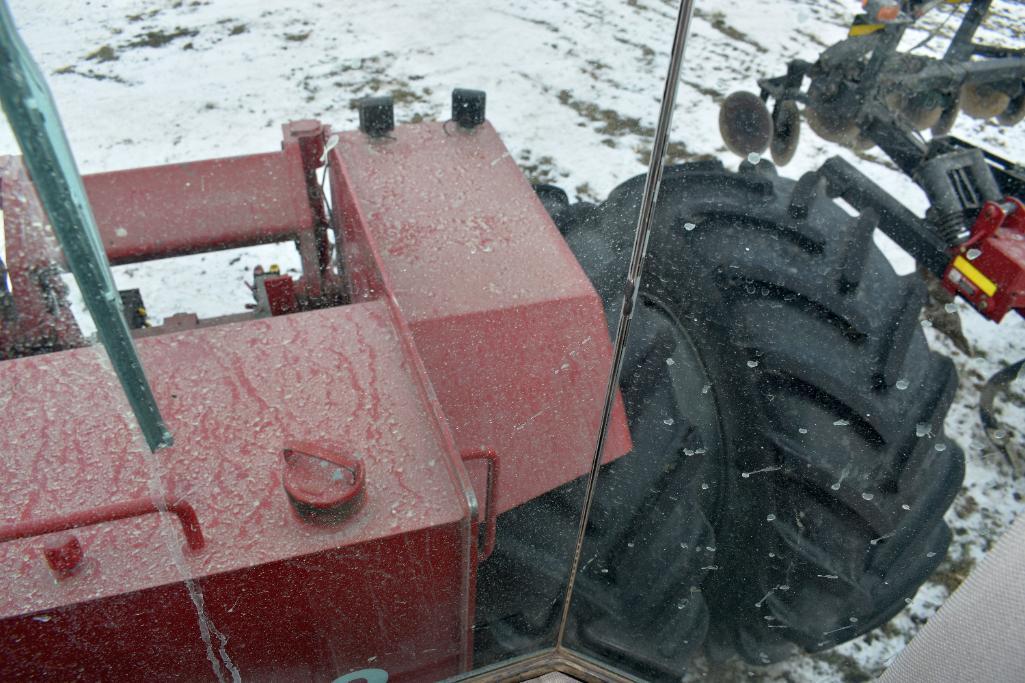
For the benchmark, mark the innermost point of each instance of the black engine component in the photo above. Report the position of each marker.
(133, 309)
(957, 183)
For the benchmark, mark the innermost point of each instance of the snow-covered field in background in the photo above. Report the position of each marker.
(573, 88)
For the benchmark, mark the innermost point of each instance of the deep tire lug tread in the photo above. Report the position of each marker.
(856, 249)
(896, 338)
(808, 189)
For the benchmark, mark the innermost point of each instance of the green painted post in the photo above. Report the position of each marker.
(30, 108)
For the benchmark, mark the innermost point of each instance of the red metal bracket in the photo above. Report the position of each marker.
(314, 249)
(1009, 214)
(988, 269)
(281, 295)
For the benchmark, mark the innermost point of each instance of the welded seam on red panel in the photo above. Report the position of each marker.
(426, 390)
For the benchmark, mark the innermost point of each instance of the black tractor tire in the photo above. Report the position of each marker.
(789, 476)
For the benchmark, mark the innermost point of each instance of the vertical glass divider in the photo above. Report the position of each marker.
(652, 182)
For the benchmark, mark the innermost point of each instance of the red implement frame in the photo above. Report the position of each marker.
(39, 320)
(211, 203)
(471, 334)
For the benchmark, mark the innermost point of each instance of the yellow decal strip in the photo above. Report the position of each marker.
(975, 276)
(863, 29)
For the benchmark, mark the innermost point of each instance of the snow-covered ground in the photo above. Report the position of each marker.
(573, 88)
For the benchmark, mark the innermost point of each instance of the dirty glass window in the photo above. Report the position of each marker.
(825, 414)
(373, 261)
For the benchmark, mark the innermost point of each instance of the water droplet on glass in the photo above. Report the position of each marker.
(630, 544)
(704, 486)
(973, 254)
(802, 430)
(868, 496)
(841, 423)
(754, 158)
(907, 601)
(836, 486)
(999, 435)
(705, 389)
(950, 308)
(689, 226)
(853, 620)
(905, 506)
(940, 447)
(752, 364)
(926, 323)
(670, 361)
(745, 475)
(930, 554)
(902, 384)
(770, 517)
(923, 429)
(682, 603)
(688, 452)
(772, 554)
(668, 421)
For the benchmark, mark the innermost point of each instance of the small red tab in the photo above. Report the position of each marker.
(63, 555)
(281, 295)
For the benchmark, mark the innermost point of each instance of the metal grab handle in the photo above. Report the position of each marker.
(109, 513)
(490, 520)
